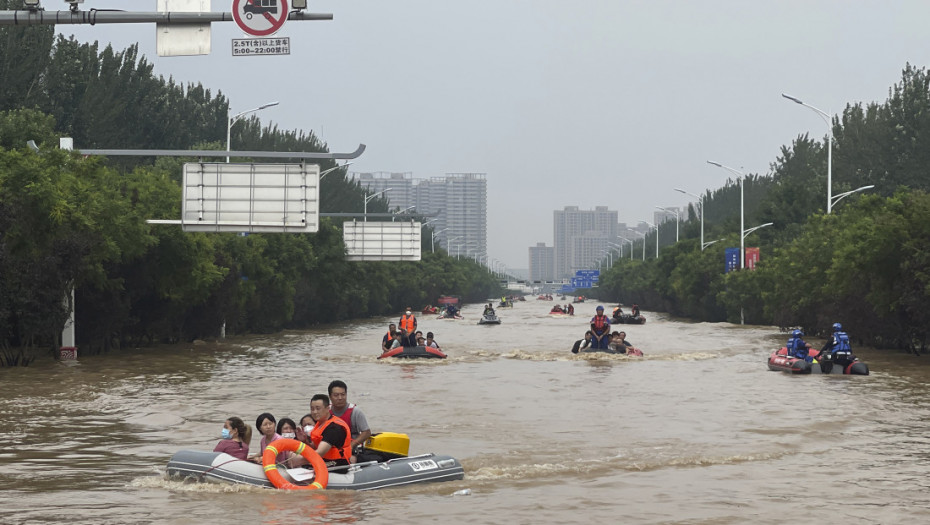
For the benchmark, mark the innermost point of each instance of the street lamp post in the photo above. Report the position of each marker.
(401, 212)
(839, 197)
(677, 219)
(432, 242)
(372, 196)
(330, 170)
(657, 238)
(620, 246)
(826, 118)
(644, 244)
(742, 210)
(236, 117)
(631, 246)
(701, 206)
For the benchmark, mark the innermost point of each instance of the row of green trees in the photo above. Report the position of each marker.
(70, 222)
(867, 264)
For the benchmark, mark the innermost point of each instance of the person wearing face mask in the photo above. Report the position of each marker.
(287, 429)
(236, 437)
(408, 322)
(304, 429)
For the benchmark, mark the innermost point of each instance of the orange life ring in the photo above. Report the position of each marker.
(321, 474)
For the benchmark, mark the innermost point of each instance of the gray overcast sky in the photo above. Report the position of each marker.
(585, 103)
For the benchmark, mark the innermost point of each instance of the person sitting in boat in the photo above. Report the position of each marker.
(304, 429)
(488, 310)
(406, 339)
(430, 342)
(557, 309)
(236, 437)
(451, 310)
(837, 348)
(570, 310)
(634, 310)
(600, 329)
(359, 431)
(618, 312)
(390, 338)
(420, 339)
(287, 429)
(330, 436)
(798, 347)
(581, 344)
(408, 321)
(619, 343)
(267, 426)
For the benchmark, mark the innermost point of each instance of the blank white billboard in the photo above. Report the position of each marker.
(219, 197)
(382, 241)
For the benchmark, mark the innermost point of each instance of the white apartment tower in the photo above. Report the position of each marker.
(542, 262)
(458, 202)
(594, 229)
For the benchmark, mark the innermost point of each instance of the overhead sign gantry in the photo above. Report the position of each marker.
(182, 27)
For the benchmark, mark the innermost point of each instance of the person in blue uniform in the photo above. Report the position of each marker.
(837, 348)
(798, 347)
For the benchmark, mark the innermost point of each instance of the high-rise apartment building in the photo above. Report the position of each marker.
(594, 229)
(542, 262)
(458, 202)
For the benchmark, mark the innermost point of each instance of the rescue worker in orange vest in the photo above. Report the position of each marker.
(600, 329)
(408, 322)
(330, 436)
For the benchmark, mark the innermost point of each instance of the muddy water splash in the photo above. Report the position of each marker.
(698, 430)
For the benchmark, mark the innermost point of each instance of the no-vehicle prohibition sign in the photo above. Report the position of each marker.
(260, 17)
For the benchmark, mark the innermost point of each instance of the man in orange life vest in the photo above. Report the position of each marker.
(330, 436)
(600, 330)
(408, 322)
(387, 342)
(352, 415)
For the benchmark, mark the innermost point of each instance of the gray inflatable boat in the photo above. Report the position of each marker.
(223, 468)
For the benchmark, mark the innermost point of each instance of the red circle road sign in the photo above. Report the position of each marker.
(260, 17)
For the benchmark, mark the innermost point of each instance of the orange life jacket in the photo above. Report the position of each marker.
(408, 323)
(336, 452)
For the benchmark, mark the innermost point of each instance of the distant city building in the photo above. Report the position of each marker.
(593, 229)
(458, 202)
(542, 262)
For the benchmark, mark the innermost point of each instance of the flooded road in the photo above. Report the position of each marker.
(697, 431)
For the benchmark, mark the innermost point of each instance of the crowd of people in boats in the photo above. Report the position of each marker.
(559, 309)
(404, 333)
(335, 428)
(836, 349)
(599, 337)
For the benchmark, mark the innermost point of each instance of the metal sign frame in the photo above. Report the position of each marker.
(382, 241)
(219, 197)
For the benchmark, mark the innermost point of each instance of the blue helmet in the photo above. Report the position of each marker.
(599, 307)
(837, 327)
(797, 333)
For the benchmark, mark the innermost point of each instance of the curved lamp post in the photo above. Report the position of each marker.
(742, 211)
(372, 196)
(236, 117)
(330, 170)
(432, 242)
(826, 119)
(644, 244)
(839, 197)
(677, 219)
(657, 239)
(631, 246)
(401, 212)
(701, 206)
